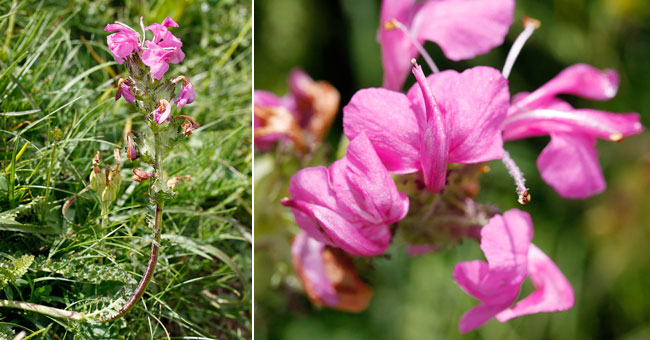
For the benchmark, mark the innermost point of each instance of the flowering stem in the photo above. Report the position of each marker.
(51, 311)
(155, 244)
(148, 274)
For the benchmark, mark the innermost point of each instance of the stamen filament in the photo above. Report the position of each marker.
(518, 176)
(125, 26)
(530, 25)
(143, 32)
(396, 24)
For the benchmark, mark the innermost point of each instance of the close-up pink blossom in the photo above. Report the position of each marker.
(349, 205)
(449, 117)
(123, 42)
(573, 131)
(506, 243)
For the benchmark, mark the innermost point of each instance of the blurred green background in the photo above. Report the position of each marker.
(602, 244)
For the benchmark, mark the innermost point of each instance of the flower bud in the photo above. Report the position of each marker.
(131, 152)
(141, 175)
(188, 124)
(97, 178)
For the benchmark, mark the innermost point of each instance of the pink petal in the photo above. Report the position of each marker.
(307, 254)
(169, 22)
(186, 96)
(474, 104)
(396, 49)
(313, 185)
(434, 147)
(469, 275)
(477, 316)
(115, 27)
(505, 241)
(464, 29)
(569, 163)
(552, 293)
(363, 186)
(580, 80)
(336, 230)
(266, 98)
(122, 44)
(541, 122)
(125, 91)
(388, 121)
(161, 114)
(298, 81)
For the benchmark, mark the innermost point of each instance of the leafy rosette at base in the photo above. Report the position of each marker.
(511, 257)
(328, 275)
(463, 29)
(449, 117)
(350, 205)
(569, 163)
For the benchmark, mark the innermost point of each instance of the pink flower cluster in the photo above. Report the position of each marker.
(165, 48)
(455, 118)
(157, 54)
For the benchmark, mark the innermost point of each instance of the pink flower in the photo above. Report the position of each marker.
(447, 118)
(569, 163)
(505, 241)
(162, 111)
(463, 29)
(350, 205)
(304, 115)
(165, 48)
(328, 275)
(122, 43)
(187, 95)
(131, 152)
(273, 121)
(124, 90)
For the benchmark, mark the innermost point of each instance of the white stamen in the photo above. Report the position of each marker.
(415, 43)
(518, 176)
(530, 26)
(125, 26)
(143, 31)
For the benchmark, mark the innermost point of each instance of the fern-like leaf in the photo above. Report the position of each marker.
(12, 270)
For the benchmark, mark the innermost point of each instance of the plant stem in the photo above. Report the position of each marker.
(155, 244)
(51, 311)
(148, 274)
(104, 213)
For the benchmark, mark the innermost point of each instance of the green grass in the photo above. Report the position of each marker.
(50, 80)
